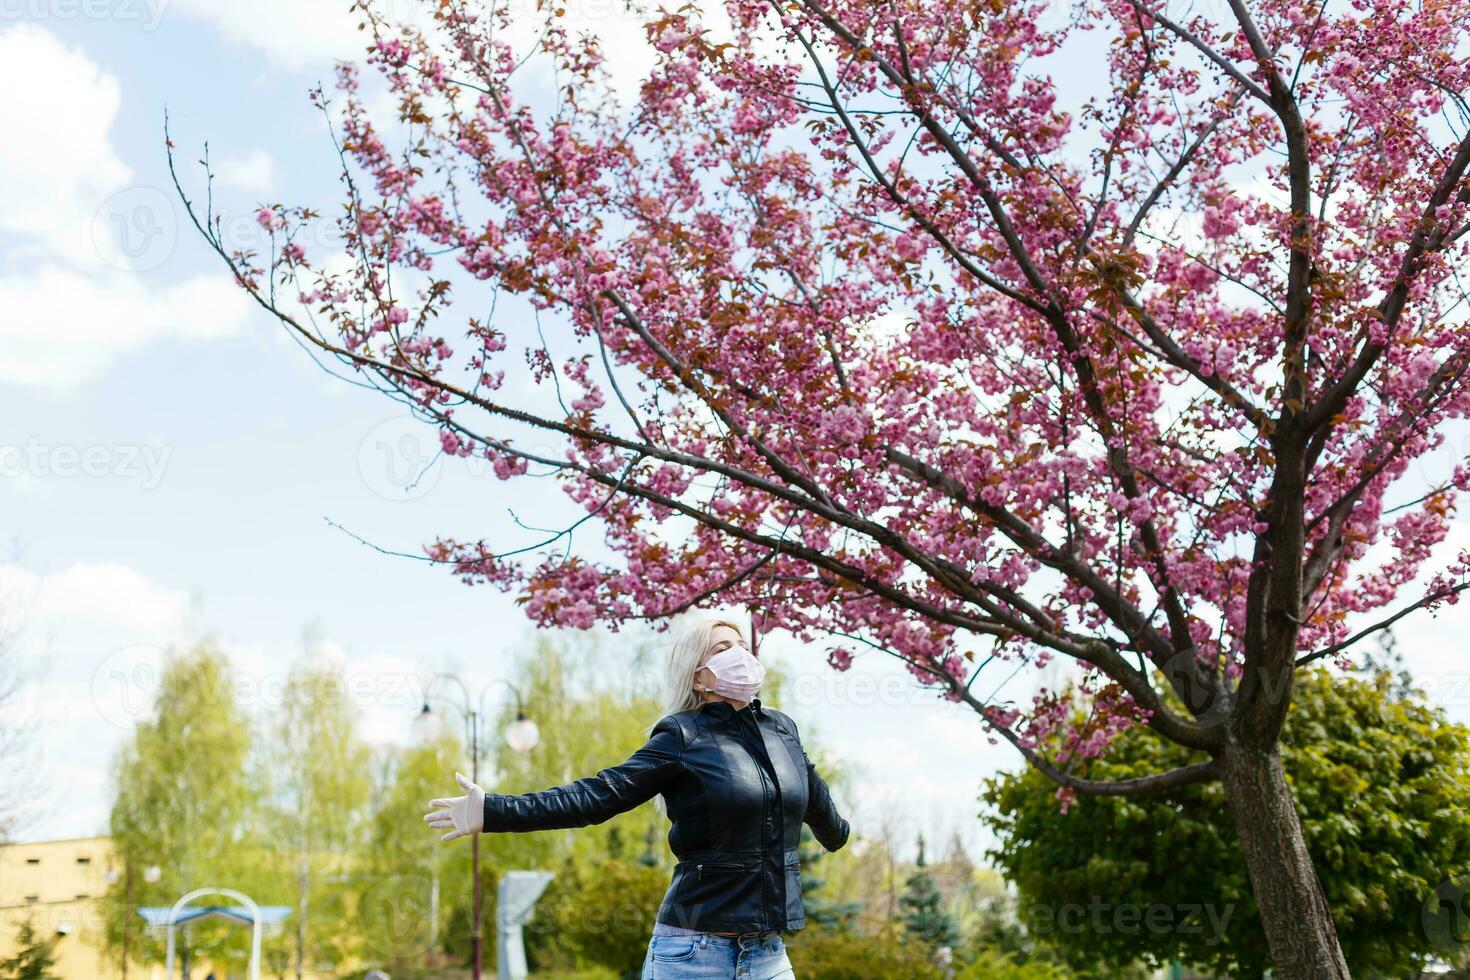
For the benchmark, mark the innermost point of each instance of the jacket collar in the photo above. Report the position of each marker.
(724, 709)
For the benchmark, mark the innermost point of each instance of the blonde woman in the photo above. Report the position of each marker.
(736, 785)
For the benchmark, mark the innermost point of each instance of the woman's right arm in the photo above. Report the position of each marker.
(592, 799)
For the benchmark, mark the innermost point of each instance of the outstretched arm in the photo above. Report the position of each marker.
(827, 824)
(592, 799)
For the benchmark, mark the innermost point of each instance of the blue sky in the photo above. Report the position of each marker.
(168, 458)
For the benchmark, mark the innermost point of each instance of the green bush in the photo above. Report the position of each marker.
(992, 964)
(1382, 785)
(595, 916)
(819, 953)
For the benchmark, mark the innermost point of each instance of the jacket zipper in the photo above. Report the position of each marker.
(766, 793)
(780, 834)
(768, 783)
(716, 866)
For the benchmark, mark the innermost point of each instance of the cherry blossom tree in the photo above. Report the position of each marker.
(970, 331)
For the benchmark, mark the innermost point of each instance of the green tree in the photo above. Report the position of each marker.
(596, 914)
(315, 770)
(997, 944)
(925, 916)
(413, 877)
(33, 959)
(1382, 782)
(183, 802)
(820, 909)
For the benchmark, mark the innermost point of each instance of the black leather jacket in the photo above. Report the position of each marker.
(737, 804)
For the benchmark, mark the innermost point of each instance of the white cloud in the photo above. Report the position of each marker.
(63, 326)
(294, 34)
(82, 233)
(253, 172)
(53, 189)
(79, 636)
(310, 36)
(100, 598)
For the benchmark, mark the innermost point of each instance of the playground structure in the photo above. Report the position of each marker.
(165, 921)
(518, 893)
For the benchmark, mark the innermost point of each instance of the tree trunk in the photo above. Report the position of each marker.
(301, 892)
(1294, 911)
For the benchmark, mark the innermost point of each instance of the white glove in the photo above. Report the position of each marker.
(466, 814)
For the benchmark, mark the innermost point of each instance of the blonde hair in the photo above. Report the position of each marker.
(679, 693)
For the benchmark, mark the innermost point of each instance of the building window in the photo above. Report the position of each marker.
(33, 860)
(85, 860)
(32, 899)
(83, 895)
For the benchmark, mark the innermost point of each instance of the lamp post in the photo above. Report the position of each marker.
(521, 735)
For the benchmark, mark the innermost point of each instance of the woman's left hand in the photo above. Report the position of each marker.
(465, 814)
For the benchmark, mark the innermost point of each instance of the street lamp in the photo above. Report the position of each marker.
(426, 726)
(521, 735)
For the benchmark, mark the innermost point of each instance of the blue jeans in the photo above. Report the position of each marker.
(749, 956)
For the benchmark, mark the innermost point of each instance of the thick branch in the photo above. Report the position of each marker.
(1428, 237)
(1200, 772)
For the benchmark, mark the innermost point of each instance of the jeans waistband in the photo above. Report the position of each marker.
(743, 941)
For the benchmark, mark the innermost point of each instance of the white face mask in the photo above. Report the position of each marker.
(738, 674)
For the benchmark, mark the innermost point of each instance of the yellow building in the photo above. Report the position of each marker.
(56, 884)
(59, 886)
